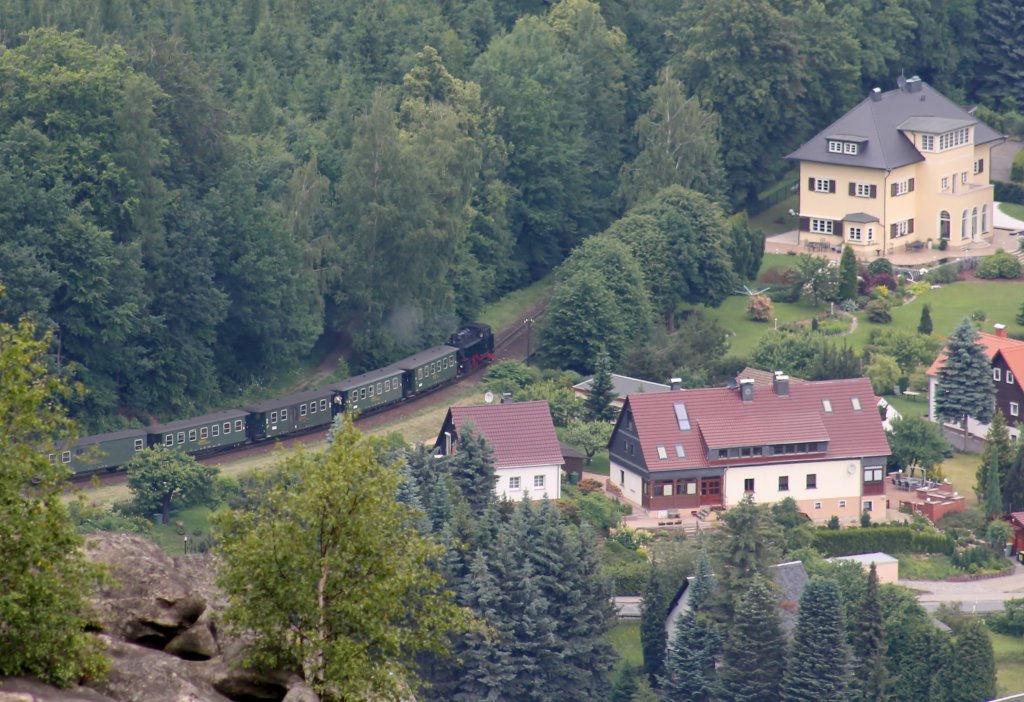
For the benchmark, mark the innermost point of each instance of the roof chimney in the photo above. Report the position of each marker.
(747, 389)
(506, 397)
(1000, 330)
(876, 94)
(913, 84)
(781, 383)
(677, 383)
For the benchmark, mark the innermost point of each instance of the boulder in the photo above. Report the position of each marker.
(28, 690)
(198, 642)
(138, 673)
(301, 692)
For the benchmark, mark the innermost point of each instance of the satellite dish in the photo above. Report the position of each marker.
(851, 469)
(488, 397)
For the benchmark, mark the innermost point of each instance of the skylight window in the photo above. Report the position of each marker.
(855, 401)
(662, 453)
(682, 417)
(827, 404)
(680, 453)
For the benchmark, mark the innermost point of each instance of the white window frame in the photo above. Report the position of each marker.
(827, 406)
(817, 505)
(927, 142)
(822, 226)
(868, 505)
(139, 445)
(871, 233)
(997, 374)
(680, 451)
(945, 183)
(902, 186)
(902, 228)
(1014, 409)
(181, 437)
(169, 439)
(854, 233)
(273, 417)
(239, 425)
(204, 432)
(850, 148)
(976, 170)
(302, 410)
(963, 178)
(192, 436)
(822, 185)
(227, 428)
(862, 190)
(65, 457)
(284, 415)
(1009, 376)
(873, 475)
(323, 405)
(215, 430)
(842, 504)
(538, 481)
(835, 147)
(662, 452)
(514, 483)
(855, 403)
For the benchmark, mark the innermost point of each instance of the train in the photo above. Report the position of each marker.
(469, 348)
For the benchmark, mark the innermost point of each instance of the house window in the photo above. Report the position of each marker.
(827, 404)
(169, 440)
(538, 481)
(927, 142)
(812, 481)
(1014, 409)
(691, 487)
(872, 475)
(902, 228)
(854, 233)
(864, 190)
(945, 183)
(963, 178)
(748, 485)
(984, 218)
(871, 233)
(817, 505)
(835, 147)
(902, 187)
(974, 222)
(682, 418)
(822, 226)
(842, 504)
(138, 445)
(513, 482)
(662, 453)
(957, 137)
(979, 166)
(680, 453)
(824, 185)
(1009, 376)
(868, 505)
(783, 483)
(997, 374)
(855, 401)
(850, 147)
(963, 225)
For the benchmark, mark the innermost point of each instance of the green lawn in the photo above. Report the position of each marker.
(624, 638)
(776, 219)
(194, 519)
(745, 333)
(961, 470)
(501, 313)
(1012, 209)
(934, 566)
(908, 407)
(1009, 652)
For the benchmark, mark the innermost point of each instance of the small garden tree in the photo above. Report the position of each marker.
(158, 477)
(998, 452)
(925, 325)
(599, 399)
(760, 309)
(848, 274)
(591, 437)
(965, 380)
(917, 443)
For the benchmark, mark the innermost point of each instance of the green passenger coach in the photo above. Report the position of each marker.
(429, 368)
(199, 434)
(102, 451)
(296, 412)
(370, 390)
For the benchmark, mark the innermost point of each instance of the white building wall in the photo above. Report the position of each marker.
(629, 482)
(527, 476)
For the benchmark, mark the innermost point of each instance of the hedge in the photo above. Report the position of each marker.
(1017, 169)
(628, 578)
(889, 539)
(1009, 192)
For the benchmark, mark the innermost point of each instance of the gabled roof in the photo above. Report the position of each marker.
(623, 385)
(1014, 357)
(992, 344)
(881, 120)
(719, 418)
(520, 433)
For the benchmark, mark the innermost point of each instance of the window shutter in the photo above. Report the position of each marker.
(831, 186)
(805, 224)
(892, 230)
(837, 228)
(893, 193)
(810, 184)
(910, 226)
(853, 189)
(981, 165)
(910, 185)
(874, 191)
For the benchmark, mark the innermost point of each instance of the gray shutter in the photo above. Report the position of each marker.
(837, 227)
(810, 184)
(910, 185)
(910, 226)
(981, 165)
(831, 186)
(874, 191)
(853, 189)
(892, 230)
(805, 224)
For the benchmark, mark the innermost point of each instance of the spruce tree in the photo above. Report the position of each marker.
(472, 468)
(599, 399)
(848, 274)
(749, 542)
(998, 451)
(1013, 482)
(869, 640)
(965, 380)
(690, 662)
(974, 667)
(817, 667)
(925, 325)
(752, 666)
(652, 626)
(993, 491)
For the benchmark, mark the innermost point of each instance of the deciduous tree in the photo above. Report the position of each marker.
(916, 443)
(158, 477)
(589, 436)
(965, 380)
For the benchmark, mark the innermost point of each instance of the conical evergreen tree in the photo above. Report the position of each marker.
(998, 448)
(974, 667)
(747, 546)
(690, 662)
(752, 666)
(869, 640)
(1013, 482)
(993, 491)
(848, 274)
(652, 626)
(965, 380)
(818, 663)
(599, 399)
(925, 325)
(472, 468)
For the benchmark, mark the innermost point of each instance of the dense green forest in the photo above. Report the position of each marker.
(193, 193)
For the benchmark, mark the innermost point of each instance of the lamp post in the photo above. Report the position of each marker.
(186, 545)
(528, 322)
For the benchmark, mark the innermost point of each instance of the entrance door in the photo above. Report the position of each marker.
(711, 491)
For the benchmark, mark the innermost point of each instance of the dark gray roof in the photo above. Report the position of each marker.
(224, 416)
(111, 436)
(860, 217)
(569, 451)
(431, 354)
(879, 121)
(369, 377)
(936, 125)
(623, 385)
(295, 398)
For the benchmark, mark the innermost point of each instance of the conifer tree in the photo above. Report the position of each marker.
(817, 667)
(599, 399)
(652, 626)
(752, 666)
(1013, 482)
(869, 640)
(472, 468)
(993, 491)
(965, 380)
(925, 325)
(848, 274)
(749, 543)
(998, 451)
(690, 662)
(974, 667)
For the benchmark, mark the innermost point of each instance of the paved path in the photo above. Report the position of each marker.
(976, 595)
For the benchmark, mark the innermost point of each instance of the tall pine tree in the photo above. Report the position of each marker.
(848, 274)
(1013, 482)
(974, 666)
(690, 662)
(869, 640)
(818, 663)
(993, 491)
(998, 451)
(652, 626)
(472, 468)
(599, 399)
(965, 387)
(751, 665)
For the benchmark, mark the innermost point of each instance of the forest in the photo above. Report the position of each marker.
(193, 194)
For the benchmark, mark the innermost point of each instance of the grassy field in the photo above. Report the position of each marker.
(624, 637)
(508, 309)
(1009, 652)
(961, 470)
(908, 407)
(776, 219)
(934, 566)
(193, 519)
(1012, 209)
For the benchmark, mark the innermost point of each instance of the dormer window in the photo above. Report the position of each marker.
(927, 142)
(849, 148)
(842, 147)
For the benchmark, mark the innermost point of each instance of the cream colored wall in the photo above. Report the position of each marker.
(632, 488)
(552, 483)
(834, 480)
(838, 204)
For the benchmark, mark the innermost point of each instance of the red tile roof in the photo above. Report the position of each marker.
(719, 419)
(991, 342)
(1014, 358)
(521, 433)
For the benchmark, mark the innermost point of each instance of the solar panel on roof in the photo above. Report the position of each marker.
(682, 417)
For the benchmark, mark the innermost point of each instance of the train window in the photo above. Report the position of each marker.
(323, 405)
(284, 415)
(387, 385)
(362, 393)
(302, 410)
(65, 457)
(138, 444)
(451, 361)
(227, 427)
(380, 387)
(204, 433)
(419, 373)
(191, 434)
(273, 417)
(371, 390)
(169, 440)
(215, 430)
(312, 407)
(181, 437)
(239, 424)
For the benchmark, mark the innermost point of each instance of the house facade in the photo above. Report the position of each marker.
(1007, 357)
(902, 169)
(821, 443)
(527, 456)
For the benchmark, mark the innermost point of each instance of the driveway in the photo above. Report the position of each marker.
(975, 595)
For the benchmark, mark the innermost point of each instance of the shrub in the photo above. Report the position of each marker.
(760, 309)
(999, 265)
(788, 294)
(589, 485)
(878, 312)
(888, 539)
(884, 279)
(880, 266)
(776, 276)
(628, 578)
(1011, 620)
(833, 523)
(979, 315)
(943, 244)
(1017, 169)
(943, 275)
(1009, 192)
(978, 558)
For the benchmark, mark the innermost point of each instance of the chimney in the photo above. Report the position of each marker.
(677, 383)
(1000, 330)
(913, 84)
(781, 384)
(876, 94)
(506, 397)
(747, 389)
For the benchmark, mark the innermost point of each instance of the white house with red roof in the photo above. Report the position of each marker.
(821, 443)
(527, 456)
(1007, 357)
